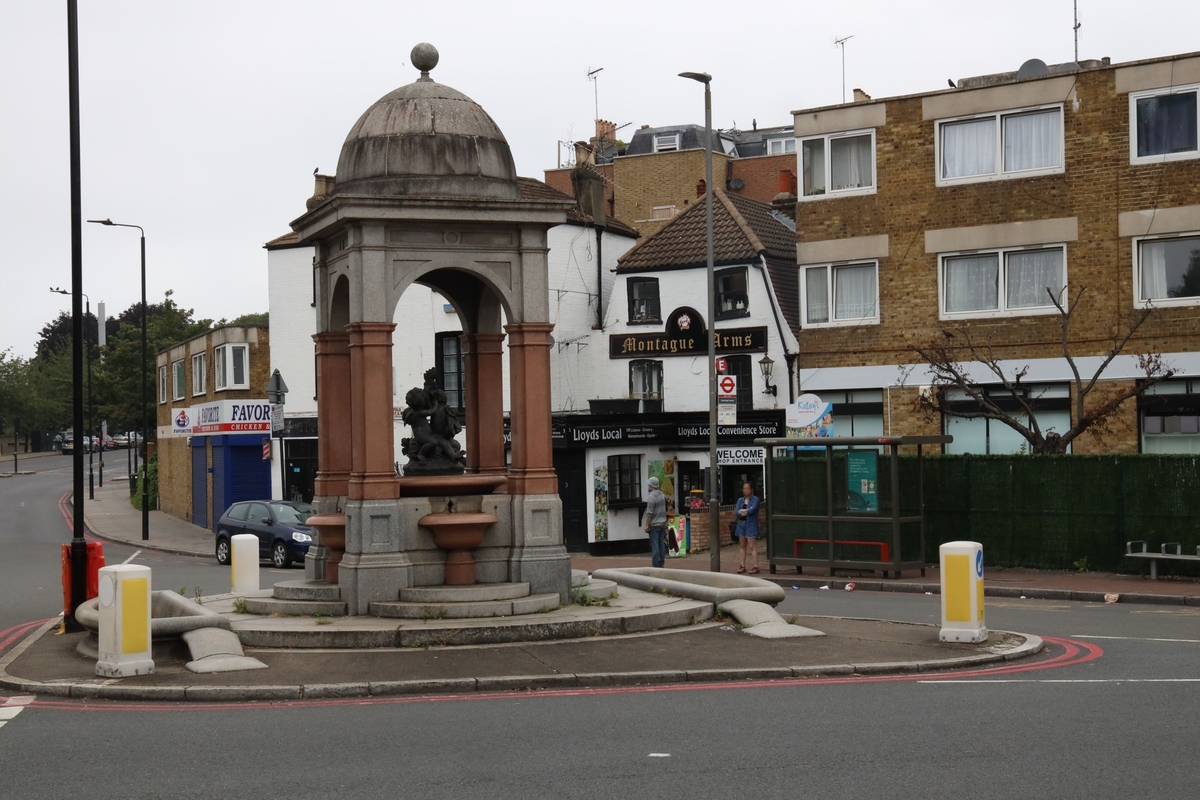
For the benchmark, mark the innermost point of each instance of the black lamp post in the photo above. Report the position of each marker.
(765, 365)
(714, 508)
(90, 438)
(145, 413)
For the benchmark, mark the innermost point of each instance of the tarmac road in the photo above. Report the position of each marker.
(1123, 723)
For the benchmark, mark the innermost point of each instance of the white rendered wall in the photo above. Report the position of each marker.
(293, 323)
(685, 378)
(626, 523)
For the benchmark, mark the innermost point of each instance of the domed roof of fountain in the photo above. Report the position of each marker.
(426, 140)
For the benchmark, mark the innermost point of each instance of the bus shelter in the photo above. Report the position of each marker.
(846, 503)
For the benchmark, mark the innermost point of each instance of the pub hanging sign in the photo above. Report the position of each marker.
(685, 336)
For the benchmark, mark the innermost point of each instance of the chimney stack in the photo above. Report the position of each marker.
(606, 130)
(701, 186)
(860, 96)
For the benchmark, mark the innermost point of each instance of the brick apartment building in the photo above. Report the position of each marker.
(213, 418)
(655, 176)
(959, 208)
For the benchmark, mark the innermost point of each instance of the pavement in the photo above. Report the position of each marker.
(111, 517)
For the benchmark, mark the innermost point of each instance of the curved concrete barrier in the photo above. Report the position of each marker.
(171, 615)
(712, 587)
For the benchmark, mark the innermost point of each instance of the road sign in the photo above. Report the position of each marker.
(276, 417)
(722, 366)
(727, 400)
(727, 387)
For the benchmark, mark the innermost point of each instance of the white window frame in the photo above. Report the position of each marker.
(1002, 293)
(999, 173)
(1134, 158)
(1162, 302)
(830, 293)
(783, 146)
(223, 364)
(199, 374)
(678, 142)
(163, 386)
(828, 138)
(178, 380)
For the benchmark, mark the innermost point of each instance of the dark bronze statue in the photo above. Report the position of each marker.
(432, 449)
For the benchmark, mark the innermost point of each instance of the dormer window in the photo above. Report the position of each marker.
(666, 142)
(778, 147)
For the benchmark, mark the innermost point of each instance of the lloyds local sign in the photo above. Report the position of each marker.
(685, 336)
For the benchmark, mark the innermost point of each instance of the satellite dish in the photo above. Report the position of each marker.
(737, 183)
(1070, 66)
(1033, 68)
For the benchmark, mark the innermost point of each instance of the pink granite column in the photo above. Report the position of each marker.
(333, 415)
(532, 469)
(483, 367)
(372, 450)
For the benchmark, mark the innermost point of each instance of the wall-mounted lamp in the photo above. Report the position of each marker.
(765, 365)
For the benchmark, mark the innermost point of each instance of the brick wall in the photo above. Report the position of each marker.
(174, 477)
(660, 179)
(1098, 184)
(761, 175)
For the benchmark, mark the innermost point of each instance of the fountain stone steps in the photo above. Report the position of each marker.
(307, 590)
(530, 604)
(472, 593)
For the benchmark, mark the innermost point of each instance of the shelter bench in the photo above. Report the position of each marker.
(884, 548)
(1162, 555)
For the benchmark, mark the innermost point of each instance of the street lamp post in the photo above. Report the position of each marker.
(91, 444)
(714, 508)
(145, 413)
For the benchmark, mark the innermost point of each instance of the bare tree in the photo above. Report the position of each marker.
(950, 377)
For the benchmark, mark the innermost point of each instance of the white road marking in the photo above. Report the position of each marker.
(14, 706)
(1133, 638)
(1066, 680)
(660, 755)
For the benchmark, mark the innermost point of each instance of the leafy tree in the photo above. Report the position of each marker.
(952, 379)
(16, 398)
(246, 320)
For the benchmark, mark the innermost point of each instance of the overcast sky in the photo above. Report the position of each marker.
(203, 121)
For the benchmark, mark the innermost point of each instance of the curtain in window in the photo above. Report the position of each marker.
(239, 366)
(816, 290)
(1154, 270)
(854, 292)
(813, 155)
(1033, 141)
(1166, 124)
(972, 283)
(850, 162)
(969, 148)
(1030, 274)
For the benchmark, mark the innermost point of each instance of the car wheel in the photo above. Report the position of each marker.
(223, 553)
(279, 555)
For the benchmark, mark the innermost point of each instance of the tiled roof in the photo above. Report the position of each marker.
(743, 229)
(533, 189)
(287, 240)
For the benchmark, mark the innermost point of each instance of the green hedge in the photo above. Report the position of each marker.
(1048, 512)
(150, 475)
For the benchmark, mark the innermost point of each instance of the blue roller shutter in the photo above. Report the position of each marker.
(199, 482)
(249, 475)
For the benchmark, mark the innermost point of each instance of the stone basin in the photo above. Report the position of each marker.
(331, 533)
(458, 535)
(449, 485)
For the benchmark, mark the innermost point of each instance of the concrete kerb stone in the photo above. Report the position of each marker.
(1014, 592)
(710, 587)
(442, 686)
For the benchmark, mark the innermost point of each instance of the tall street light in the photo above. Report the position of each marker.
(78, 544)
(714, 508)
(91, 443)
(145, 367)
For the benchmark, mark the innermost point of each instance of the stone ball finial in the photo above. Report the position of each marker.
(424, 57)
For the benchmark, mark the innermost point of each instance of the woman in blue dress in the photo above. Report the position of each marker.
(746, 514)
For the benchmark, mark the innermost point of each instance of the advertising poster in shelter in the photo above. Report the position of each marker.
(861, 480)
(677, 544)
(665, 472)
(600, 489)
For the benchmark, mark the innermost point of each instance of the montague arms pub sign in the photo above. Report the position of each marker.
(685, 336)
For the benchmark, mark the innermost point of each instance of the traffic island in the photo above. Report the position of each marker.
(710, 652)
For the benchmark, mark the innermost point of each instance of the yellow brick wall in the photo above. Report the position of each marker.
(660, 179)
(1097, 185)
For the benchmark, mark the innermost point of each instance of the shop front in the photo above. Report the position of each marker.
(604, 462)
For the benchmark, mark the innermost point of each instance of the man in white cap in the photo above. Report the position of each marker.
(656, 523)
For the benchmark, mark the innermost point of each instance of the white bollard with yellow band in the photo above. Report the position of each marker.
(962, 592)
(124, 621)
(243, 563)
